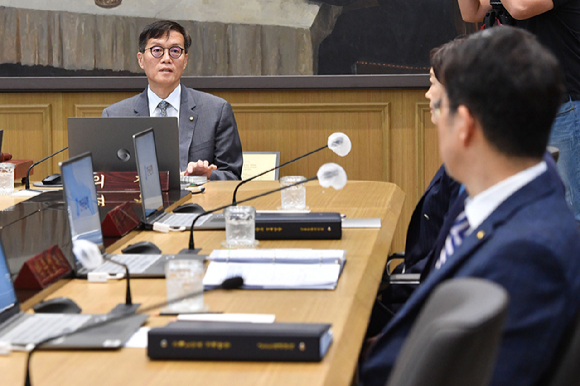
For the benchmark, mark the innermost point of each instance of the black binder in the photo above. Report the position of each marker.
(298, 226)
(294, 342)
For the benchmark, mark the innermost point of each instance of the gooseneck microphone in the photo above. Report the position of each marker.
(337, 142)
(90, 256)
(271, 170)
(228, 284)
(27, 185)
(129, 306)
(192, 250)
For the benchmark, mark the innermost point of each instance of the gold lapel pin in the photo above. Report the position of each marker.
(480, 235)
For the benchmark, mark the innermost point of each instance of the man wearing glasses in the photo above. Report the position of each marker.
(209, 143)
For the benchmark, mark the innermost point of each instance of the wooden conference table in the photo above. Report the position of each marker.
(347, 308)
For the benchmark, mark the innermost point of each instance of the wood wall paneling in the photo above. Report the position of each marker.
(28, 132)
(392, 135)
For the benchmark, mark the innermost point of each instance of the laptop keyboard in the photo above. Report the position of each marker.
(38, 327)
(135, 262)
(178, 219)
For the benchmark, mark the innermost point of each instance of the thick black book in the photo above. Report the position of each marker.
(298, 226)
(293, 342)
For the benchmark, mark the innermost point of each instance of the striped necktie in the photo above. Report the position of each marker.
(456, 235)
(163, 108)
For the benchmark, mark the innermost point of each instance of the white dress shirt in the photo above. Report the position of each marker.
(174, 100)
(478, 208)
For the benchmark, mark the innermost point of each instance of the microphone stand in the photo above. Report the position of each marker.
(228, 284)
(27, 185)
(192, 250)
(271, 170)
(128, 306)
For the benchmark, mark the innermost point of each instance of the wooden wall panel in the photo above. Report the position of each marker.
(22, 123)
(393, 137)
(295, 129)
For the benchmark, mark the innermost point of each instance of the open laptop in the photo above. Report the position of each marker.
(85, 223)
(21, 329)
(151, 195)
(111, 143)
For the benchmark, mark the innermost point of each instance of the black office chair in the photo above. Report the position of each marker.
(566, 370)
(455, 340)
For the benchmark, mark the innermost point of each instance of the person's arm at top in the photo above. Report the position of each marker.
(473, 11)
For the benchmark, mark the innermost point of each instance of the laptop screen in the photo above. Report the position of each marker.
(7, 294)
(151, 194)
(81, 199)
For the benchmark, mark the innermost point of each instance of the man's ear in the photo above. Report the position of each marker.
(466, 124)
(185, 61)
(140, 59)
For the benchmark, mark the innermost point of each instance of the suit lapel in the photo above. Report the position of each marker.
(141, 106)
(188, 117)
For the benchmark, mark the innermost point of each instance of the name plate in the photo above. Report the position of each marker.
(120, 221)
(124, 181)
(43, 269)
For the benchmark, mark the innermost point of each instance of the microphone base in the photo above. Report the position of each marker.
(187, 251)
(122, 309)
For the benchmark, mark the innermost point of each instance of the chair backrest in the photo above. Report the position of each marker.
(455, 339)
(256, 162)
(566, 368)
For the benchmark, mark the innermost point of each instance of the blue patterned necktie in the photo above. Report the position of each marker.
(456, 235)
(163, 108)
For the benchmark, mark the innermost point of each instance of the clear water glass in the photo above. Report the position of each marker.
(185, 277)
(6, 178)
(293, 198)
(240, 227)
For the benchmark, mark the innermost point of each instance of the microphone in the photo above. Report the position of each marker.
(337, 142)
(328, 175)
(90, 256)
(27, 185)
(228, 284)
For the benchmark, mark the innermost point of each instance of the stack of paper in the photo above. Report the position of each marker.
(277, 268)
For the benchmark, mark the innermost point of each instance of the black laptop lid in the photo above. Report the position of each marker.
(110, 141)
(149, 182)
(80, 196)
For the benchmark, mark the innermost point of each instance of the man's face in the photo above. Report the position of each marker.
(447, 133)
(434, 94)
(164, 72)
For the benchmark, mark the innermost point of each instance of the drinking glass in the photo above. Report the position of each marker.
(185, 277)
(240, 227)
(6, 178)
(293, 198)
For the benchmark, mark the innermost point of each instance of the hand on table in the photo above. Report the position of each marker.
(199, 168)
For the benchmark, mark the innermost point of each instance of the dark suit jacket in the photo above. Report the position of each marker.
(429, 215)
(530, 245)
(207, 130)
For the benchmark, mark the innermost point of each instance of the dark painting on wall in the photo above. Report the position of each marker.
(256, 37)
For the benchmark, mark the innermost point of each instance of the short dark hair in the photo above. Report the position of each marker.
(510, 83)
(161, 28)
(437, 55)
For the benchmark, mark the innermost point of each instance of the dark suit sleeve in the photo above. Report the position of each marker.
(228, 147)
(538, 312)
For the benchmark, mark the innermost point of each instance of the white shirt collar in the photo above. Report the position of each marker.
(174, 99)
(478, 208)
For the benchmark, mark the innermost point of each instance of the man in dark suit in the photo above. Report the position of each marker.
(209, 143)
(502, 92)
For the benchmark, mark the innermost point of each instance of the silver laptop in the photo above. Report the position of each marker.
(21, 329)
(85, 223)
(151, 195)
(110, 142)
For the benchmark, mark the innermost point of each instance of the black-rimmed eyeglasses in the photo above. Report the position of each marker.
(174, 52)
